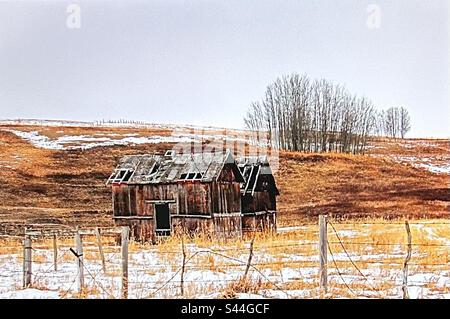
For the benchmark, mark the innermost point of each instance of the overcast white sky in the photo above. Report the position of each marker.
(204, 62)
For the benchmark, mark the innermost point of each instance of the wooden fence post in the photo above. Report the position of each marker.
(79, 245)
(125, 237)
(55, 252)
(323, 253)
(100, 248)
(405, 264)
(250, 256)
(183, 266)
(27, 260)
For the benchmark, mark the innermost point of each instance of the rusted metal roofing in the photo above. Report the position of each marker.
(149, 169)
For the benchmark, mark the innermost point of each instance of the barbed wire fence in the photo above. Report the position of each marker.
(102, 263)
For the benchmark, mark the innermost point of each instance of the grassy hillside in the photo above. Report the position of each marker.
(68, 185)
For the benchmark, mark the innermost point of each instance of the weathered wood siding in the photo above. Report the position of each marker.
(191, 198)
(141, 229)
(259, 202)
(266, 222)
(219, 227)
(228, 226)
(210, 201)
(193, 225)
(121, 199)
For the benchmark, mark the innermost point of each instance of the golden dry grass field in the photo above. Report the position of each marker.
(43, 182)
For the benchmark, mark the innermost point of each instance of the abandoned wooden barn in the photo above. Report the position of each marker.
(157, 195)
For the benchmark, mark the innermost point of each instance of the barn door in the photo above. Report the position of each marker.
(162, 220)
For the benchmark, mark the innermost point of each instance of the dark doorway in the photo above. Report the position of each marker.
(162, 220)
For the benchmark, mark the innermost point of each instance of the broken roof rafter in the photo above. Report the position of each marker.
(256, 180)
(198, 166)
(120, 176)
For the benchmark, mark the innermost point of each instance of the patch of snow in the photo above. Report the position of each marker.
(437, 165)
(214, 295)
(36, 122)
(375, 147)
(290, 228)
(87, 142)
(444, 169)
(248, 296)
(347, 233)
(431, 233)
(30, 293)
(38, 140)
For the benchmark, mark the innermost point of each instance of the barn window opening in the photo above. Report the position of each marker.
(191, 176)
(121, 176)
(169, 153)
(153, 169)
(199, 176)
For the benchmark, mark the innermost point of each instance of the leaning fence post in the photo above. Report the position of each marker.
(79, 245)
(323, 253)
(125, 236)
(27, 260)
(250, 256)
(183, 266)
(55, 252)
(100, 248)
(405, 264)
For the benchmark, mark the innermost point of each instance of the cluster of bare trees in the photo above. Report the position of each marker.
(394, 122)
(300, 114)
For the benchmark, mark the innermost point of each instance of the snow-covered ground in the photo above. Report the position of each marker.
(180, 134)
(281, 271)
(435, 164)
(428, 155)
(116, 123)
(86, 142)
(439, 169)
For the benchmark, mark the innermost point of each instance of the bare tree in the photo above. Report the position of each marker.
(391, 122)
(405, 122)
(312, 116)
(301, 114)
(396, 122)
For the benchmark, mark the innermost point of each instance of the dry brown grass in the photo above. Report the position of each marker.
(242, 285)
(67, 187)
(358, 186)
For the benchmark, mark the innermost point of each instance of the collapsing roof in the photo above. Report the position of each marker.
(168, 168)
(257, 175)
